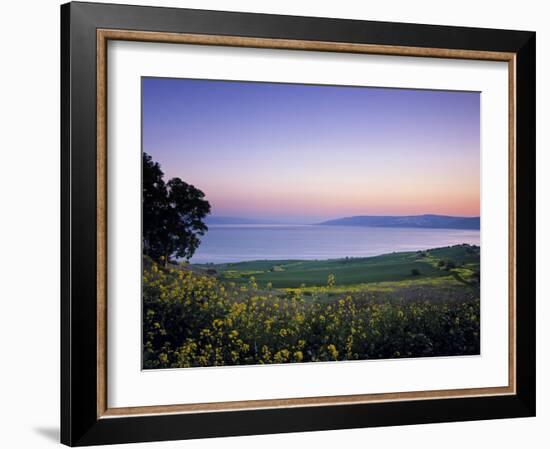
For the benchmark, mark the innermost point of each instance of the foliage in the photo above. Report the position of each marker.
(173, 214)
(331, 280)
(450, 265)
(192, 320)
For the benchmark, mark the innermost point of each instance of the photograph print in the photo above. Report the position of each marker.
(293, 223)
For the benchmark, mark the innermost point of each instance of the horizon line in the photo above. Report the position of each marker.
(427, 214)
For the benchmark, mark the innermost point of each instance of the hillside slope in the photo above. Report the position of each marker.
(411, 221)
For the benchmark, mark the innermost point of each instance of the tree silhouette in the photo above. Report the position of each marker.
(173, 214)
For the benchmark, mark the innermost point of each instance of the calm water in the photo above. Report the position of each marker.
(234, 243)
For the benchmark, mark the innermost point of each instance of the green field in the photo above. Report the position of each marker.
(456, 265)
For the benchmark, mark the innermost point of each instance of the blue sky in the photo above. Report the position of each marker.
(302, 153)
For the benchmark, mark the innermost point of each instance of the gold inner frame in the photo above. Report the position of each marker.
(104, 35)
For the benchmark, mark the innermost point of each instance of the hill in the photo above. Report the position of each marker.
(457, 263)
(411, 221)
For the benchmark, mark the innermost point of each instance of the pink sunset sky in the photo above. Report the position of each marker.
(303, 153)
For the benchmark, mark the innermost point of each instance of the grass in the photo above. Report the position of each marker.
(441, 267)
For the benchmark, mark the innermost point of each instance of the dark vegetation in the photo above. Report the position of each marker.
(173, 215)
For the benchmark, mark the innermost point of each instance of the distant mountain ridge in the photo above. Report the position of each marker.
(410, 221)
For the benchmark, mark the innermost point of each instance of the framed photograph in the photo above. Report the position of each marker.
(279, 224)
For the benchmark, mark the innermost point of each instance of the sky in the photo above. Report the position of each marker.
(298, 153)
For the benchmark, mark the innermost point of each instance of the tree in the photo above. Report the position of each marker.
(450, 265)
(173, 214)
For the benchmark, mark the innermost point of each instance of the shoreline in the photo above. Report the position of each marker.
(332, 259)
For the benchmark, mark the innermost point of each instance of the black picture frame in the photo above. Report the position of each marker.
(80, 424)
